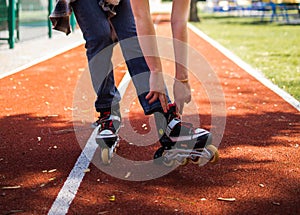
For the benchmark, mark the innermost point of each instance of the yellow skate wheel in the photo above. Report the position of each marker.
(105, 157)
(168, 163)
(215, 152)
(196, 160)
(183, 163)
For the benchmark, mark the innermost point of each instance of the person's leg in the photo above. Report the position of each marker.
(99, 46)
(124, 25)
(97, 34)
(147, 39)
(125, 29)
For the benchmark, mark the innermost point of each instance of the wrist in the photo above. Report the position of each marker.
(186, 80)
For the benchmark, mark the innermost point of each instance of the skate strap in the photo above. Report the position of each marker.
(108, 124)
(113, 118)
(171, 126)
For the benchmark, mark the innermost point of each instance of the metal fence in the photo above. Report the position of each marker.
(22, 20)
(9, 20)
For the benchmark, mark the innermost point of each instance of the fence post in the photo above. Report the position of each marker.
(50, 8)
(11, 23)
(72, 21)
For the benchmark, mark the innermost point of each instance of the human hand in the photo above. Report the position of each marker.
(157, 90)
(182, 94)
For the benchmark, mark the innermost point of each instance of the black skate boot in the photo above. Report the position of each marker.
(181, 142)
(107, 136)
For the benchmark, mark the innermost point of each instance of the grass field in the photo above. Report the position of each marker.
(272, 48)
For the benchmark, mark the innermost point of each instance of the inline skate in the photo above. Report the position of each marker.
(181, 143)
(107, 136)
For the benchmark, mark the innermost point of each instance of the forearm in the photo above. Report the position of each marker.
(147, 34)
(179, 19)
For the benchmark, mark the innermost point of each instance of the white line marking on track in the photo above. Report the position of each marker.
(69, 190)
(253, 72)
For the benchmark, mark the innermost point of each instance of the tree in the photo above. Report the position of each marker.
(194, 11)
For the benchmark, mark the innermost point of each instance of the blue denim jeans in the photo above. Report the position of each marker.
(99, 47)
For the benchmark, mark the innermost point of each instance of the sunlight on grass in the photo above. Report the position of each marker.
(272, 48)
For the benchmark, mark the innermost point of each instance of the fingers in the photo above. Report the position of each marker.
(149, 95)
(188, 99)
(181, 101)
(180, 107)
(153, 96)
(163, 102)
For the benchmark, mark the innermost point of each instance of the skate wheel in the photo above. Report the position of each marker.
(215, 153)
(195, 160)
(168, 163)
(105, 156)
(157, 158)
(184, 162)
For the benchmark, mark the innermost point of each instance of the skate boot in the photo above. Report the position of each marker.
(181, 142)
(107, 136)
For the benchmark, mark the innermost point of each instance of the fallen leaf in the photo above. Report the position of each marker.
(64, 131)
(87, 170)
(53, 115)
(261, 185)
(14, 211)
(103, 212)
(112, 198)
(128, 174)
(227, 199)
(11, 187)
(232, 108)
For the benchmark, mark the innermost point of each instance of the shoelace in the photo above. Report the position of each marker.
(102, 120)
(107, 124)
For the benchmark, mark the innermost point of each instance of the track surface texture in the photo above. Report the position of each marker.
(258, 171)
